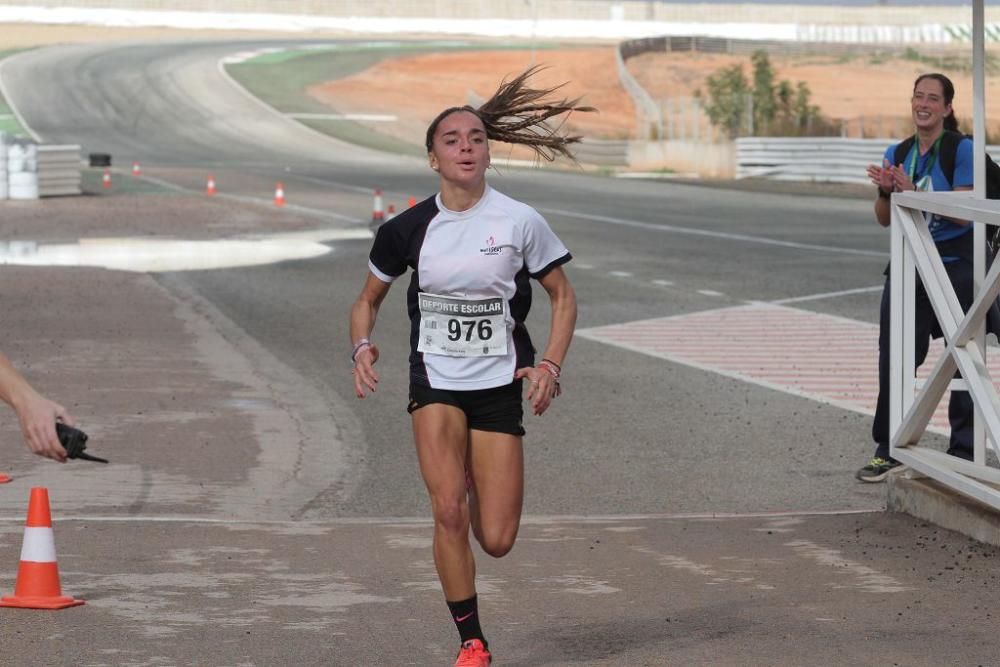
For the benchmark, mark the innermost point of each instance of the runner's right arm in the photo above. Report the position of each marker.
(363, 314)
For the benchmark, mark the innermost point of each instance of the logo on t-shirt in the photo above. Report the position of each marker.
(491, 247)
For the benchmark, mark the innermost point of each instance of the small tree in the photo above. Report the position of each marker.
(727, 99)
(764, 103)
(771, 107)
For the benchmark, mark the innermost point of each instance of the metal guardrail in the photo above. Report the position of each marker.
(603, 152)
(58, 170)
(823, 159)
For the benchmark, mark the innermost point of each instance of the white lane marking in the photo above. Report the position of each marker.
(663, 283)
(538, 520)
(10, 102)
(710, 292)
(585, 267)
(373, 117)
(304, 210)
(620, 274)
(865, 578)
(826, 295)
(763, 240)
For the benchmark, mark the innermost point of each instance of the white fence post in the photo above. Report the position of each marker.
(913, 252)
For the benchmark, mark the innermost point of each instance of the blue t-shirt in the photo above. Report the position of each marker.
(941, 228)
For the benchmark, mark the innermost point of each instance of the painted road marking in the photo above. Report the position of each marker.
(373, 117)
(728, 236)
(833, 360)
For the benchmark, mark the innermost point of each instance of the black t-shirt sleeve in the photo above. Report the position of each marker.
(387, 259)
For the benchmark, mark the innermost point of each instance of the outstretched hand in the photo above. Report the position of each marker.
(38, 416)
(365, 377)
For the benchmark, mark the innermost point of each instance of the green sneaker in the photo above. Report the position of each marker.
(877, 470)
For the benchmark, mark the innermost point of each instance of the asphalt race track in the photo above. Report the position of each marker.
(680, 510)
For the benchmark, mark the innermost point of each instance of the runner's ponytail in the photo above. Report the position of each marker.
(518, 114)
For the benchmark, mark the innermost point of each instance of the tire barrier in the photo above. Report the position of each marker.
(4, 187)
(22, 171)
(29, 170)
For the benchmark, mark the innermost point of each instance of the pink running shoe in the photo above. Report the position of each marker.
(473, 654)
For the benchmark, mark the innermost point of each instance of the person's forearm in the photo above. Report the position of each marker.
(883, 211)
(14, 389)
(563, 324)
(363, 316)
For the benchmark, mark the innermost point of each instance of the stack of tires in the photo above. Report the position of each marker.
(22, 170)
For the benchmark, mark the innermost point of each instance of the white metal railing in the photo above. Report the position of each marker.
(911, 408)
(827, 159)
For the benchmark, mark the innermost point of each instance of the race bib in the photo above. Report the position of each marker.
(457, 327)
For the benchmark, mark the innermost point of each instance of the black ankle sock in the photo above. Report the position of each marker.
(465, 613)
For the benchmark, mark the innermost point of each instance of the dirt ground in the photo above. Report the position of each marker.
(414, 88)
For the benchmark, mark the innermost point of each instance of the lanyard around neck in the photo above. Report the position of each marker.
(916, 156)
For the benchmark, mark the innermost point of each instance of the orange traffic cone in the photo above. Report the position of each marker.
(106, 180)
(4, 478)
(136, 170)
(378, 214)
(37, 584)
(279, 194)
(411, 203)
(210, 186)
(391, 213)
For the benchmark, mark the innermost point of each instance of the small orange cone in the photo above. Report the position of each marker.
(210, 186)
(411, 203)
(279, 194)
(378, 214)
(4, 478)
(106, 180)
(391, 213)
(37, 584)
(136, 170)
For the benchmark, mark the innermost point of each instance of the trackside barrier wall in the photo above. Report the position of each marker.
(58, 170)
(913, 254)
(827, 159)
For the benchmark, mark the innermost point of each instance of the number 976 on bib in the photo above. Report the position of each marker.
(457, 327)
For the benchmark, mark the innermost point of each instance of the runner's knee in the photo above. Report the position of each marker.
(451, 514)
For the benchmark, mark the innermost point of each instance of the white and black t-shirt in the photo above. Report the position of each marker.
(469, 293)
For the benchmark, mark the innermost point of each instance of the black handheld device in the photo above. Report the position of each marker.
(74, 441)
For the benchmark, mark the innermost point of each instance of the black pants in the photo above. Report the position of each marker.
(961, 410)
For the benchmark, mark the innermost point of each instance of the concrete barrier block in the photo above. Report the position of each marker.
(932, 501)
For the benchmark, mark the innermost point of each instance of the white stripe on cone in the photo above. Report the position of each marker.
(39, 545)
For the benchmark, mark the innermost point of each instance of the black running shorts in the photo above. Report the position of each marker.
(497, 409)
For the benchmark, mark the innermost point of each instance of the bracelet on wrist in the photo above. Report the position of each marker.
(883, 194)
(360, 345)
(549, 361)
(550, 368)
